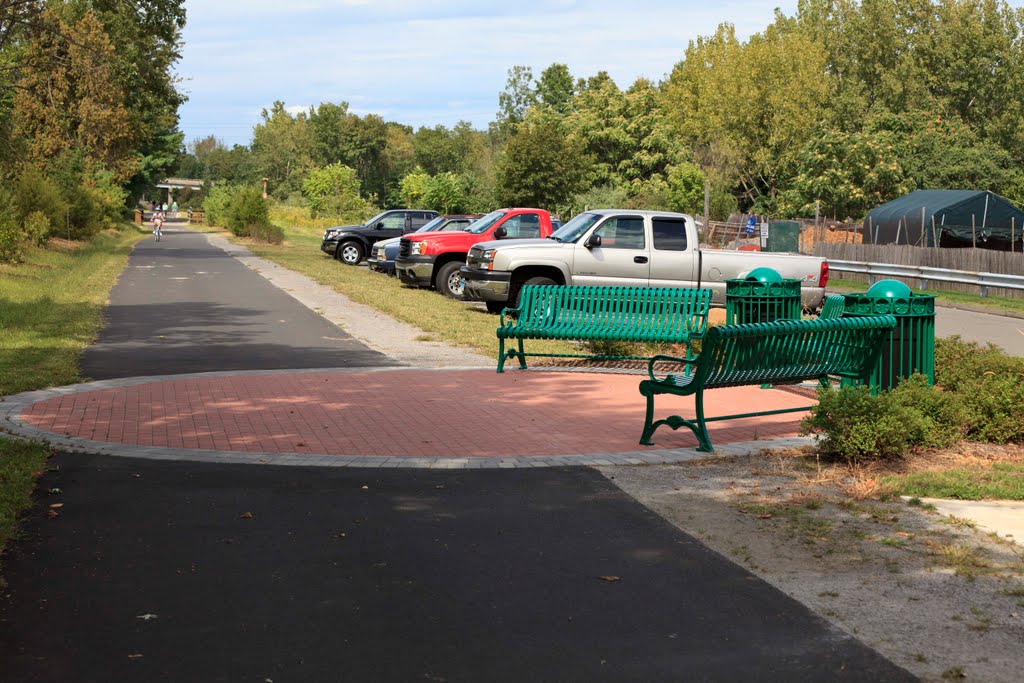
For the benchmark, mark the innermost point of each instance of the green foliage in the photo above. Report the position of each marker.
(991, 384)
(247, 211)
(555, 88)
(686, 188)
(266, 232)
(541, 165)
(11, 237)
(601, 197)
(979, 395)
(446, 194)
(333, 191)
(857, 425)
(216, 203)
(36, 228)
(414, 188)
(282, 149)
(34, 192)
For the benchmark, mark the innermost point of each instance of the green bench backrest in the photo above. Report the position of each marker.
(651, 313)
(737, 355)
(833, 307)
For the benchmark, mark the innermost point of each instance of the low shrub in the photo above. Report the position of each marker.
(246, 209)
(990, 384)
(11, 238)
(266, 233)
(216, 203)
(36, 227)
(855, 425)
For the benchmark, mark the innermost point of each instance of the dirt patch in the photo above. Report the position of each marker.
(932, 593)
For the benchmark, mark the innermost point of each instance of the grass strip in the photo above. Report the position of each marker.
(994, 302)
(1002, 481)
(20, 464)
(441, 318)
(51, 308)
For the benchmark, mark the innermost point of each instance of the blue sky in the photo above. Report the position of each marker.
(426, 62)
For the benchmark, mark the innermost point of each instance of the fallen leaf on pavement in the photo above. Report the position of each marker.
(135, 656)
(56, 505)
(146, 617)
(52, 514)
(610, 578)
(246, 515)
(54, 491)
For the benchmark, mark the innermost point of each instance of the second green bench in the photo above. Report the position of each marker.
(782, 352)
(631, 314)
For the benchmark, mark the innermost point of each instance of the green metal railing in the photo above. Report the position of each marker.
(910, 347)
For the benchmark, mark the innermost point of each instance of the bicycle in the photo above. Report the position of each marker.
(157, 228)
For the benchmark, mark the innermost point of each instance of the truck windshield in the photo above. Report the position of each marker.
(433, 225)
(574, 229)
(486, 222)
(375, 218)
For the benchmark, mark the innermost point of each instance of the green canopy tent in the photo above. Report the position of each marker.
(948, 218)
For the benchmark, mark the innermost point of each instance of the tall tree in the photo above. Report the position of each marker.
(282, 149)
(555, 88)
(65, 104)
(519, 95)
(542, 165)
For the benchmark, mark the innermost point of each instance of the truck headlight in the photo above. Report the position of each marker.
(418, 248)
(487, 258)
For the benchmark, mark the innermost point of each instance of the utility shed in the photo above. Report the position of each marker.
(950, 218)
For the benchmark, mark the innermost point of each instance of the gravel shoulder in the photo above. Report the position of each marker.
(932, 593)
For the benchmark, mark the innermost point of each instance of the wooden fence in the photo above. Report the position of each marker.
(973, 260)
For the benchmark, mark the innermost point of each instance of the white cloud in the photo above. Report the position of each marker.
(424, 63)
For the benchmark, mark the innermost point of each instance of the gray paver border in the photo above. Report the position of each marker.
(12, 424)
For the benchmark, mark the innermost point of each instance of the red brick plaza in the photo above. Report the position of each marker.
(400, 412)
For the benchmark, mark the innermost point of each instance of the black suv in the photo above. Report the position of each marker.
(351, 243)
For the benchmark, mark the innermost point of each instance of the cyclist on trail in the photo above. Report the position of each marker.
(158, 222)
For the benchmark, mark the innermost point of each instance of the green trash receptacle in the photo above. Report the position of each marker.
(910, 347)
(763, 296)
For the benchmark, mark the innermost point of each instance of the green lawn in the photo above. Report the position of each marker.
(1016, 305)
(440, 318)
(50, 308)
(1003, 481)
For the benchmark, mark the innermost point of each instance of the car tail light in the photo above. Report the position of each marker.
(823, 276)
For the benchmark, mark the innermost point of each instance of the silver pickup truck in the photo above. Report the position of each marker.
(627, 248)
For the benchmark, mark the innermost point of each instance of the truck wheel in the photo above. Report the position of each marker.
(350, 253)
(449, 282)
(495, 306)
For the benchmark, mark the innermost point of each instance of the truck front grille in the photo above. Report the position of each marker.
(404, 248)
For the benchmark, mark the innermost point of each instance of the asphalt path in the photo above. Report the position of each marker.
(1001, 330)
(178, 571)
(183, 305)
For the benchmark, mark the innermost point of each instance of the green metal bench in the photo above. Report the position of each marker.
(833, 307)
(630, 314)
(783, 352)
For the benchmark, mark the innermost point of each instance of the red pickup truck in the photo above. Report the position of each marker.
(433, 259)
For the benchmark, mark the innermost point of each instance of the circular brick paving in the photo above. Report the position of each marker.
(398, 413)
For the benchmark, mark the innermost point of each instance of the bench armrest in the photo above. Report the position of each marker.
(688, 360)
(513, 313)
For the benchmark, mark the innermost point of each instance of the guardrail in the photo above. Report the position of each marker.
(925, 274)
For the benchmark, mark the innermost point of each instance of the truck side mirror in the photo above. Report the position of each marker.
(593, 241)
(379, 225)
(500, 232)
